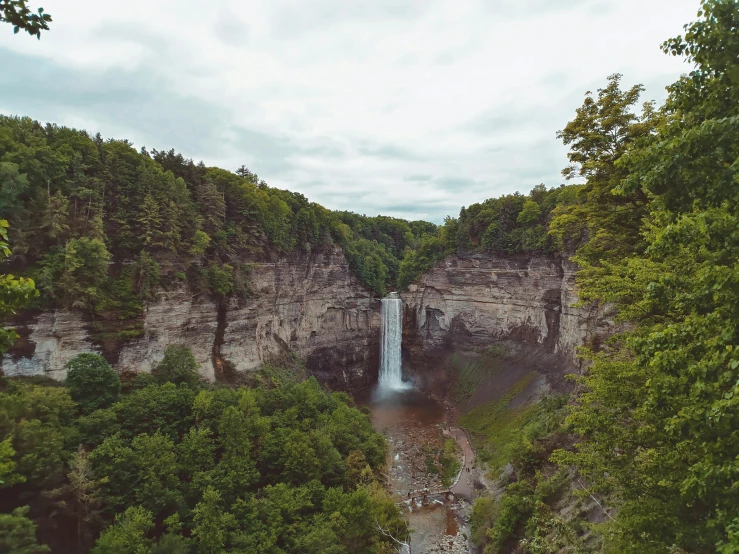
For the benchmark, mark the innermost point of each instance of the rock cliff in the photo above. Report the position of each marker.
(315, 307)
(468, 302)
(311, 305)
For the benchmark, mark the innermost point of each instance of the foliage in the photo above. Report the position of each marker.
(449, 460)
(603, 130)
(20, 17)
(192, 468)
(18, 533)
(496, 427)
(14, 292)
(8, 475)
(660, 409)
(523, 437)
(178, 366)
(97, 219)
(92, 383)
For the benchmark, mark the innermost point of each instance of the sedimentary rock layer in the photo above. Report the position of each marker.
(311, 305)
(467, 302)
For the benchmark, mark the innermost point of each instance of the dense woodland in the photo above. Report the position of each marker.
(652, 430)
(165, 464)
(656, 233)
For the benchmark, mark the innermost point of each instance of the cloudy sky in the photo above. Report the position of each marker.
(410, 108)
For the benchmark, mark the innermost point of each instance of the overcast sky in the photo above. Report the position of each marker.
(411, 108)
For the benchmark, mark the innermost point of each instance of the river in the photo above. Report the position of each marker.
(414, 425)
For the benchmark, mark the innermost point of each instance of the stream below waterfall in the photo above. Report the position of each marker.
(414, 426)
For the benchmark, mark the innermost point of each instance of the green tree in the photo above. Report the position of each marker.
(211, 523)
(660, 409)
(220, 279)
(178, 366)
(80, 498)
(157, 485)
(150, 222)
(20, 17)
(604, 129)
(128, 535)
(92, 383)
(8, 475)
(57, 217)
(18, 534)
(305, 229)
(530, 213)
(12, 186)
(85, 272)
(14, 292)
(37, 420)
(200, 243)
(147, 276)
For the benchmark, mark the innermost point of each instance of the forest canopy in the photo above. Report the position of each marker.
(188, 467)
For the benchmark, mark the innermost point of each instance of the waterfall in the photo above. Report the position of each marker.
(392, 327)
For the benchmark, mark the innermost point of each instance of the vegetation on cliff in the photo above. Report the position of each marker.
(174, 465)
(102, 227)
(656, 232)
(170, 467)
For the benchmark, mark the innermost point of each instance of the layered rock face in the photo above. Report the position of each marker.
(311, 305)
(315, 307)
(468, 302)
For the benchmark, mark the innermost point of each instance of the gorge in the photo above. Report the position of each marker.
(196, 361)
(315, 307)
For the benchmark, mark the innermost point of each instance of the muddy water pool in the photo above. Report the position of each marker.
(413, 424)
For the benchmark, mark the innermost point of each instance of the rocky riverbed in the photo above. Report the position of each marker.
(414, 425)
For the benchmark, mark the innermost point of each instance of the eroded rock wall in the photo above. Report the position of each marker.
(311, 305)
(468, 302)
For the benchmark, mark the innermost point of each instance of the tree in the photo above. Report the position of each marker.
(150, 222)
(220, 278)
(12, 185)
(146, 274)
(211, 523)
(80, 498)
(530, 212)
(8, 475)
(604, 129)
(200, 243)
(18, 533)
(84, 273)
(57, 217)
(20, 17)
(178, 366)
(661, 405)
(157, 484)
(14, 292)
(128, 535)
(92, 383)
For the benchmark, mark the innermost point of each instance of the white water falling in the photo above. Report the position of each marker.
(392, 328)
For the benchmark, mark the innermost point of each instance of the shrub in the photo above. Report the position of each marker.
(92, 383)
(177, 366)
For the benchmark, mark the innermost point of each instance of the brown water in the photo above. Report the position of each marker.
(413, 424)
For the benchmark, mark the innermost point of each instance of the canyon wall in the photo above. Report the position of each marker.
(310, 305)
(315, 307)
(525, 303)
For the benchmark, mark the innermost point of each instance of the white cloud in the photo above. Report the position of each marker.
(343, 101)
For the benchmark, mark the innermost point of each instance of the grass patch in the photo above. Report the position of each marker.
(523, 516)
(449, 460)
(472, 372)
(496, 428)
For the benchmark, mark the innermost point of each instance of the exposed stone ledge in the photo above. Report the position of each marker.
(313, 306)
